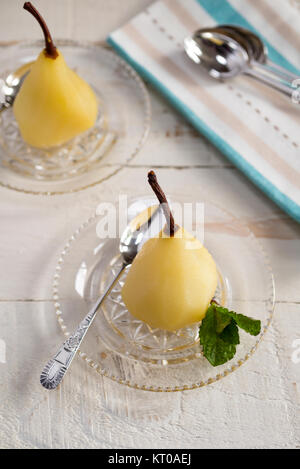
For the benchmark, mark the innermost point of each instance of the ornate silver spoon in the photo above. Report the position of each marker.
(130, 242)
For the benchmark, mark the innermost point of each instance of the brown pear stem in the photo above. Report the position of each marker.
(50, 48)
(152, 179)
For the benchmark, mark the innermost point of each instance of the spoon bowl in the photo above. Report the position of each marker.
(222, 56)
(252, 43)
(11, 86)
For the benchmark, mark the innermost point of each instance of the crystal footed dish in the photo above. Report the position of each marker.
(127, 350)
(92, 157)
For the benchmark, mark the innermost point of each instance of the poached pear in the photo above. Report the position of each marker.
(54, 104)
(173, 278)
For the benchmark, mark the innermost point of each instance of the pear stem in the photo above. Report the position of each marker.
(215, 302)
(50, 48)
(171, 227)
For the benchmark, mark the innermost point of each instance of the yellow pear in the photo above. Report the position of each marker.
(172, 280)
(54, 104)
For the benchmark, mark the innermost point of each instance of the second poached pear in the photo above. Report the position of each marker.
(54, 104)
(171, 282)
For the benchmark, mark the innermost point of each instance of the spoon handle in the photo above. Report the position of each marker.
(288, 85)
(55, 370)
(281, 71)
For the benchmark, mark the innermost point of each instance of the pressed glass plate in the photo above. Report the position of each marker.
(128, 350)
(121, 128)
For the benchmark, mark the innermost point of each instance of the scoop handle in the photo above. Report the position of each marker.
(288, 84)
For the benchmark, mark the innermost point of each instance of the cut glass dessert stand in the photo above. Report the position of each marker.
(122, 126)
(128, 351)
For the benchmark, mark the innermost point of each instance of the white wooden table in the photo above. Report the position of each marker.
(257, 406)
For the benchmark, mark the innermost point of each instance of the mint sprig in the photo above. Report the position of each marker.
(219, 333)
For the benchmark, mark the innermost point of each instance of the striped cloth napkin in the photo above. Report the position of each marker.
(256, 127)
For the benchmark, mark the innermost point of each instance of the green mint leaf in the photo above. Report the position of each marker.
(223, 320)
(219, 352)
(219, 334)
(231, 334)
(252, 326)
(215, 349)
